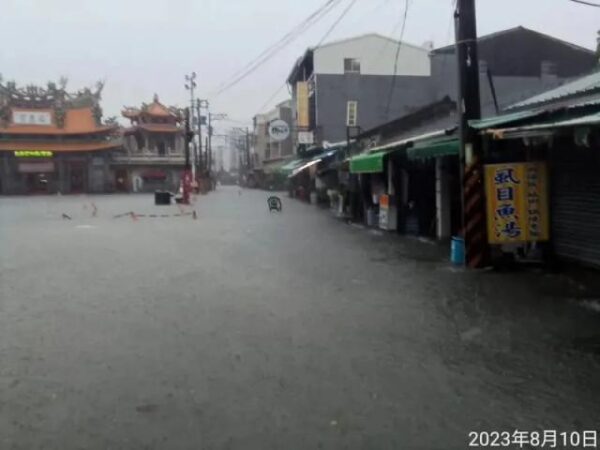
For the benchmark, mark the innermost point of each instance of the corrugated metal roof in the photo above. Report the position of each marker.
(411, 140)
(581, 85)
(502, 119)
(590, 119)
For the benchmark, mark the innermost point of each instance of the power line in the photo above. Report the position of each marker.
(337, 21)
(583, 2)
(325, 36)
(393, 83)
(270, 99)
(281, 44)
(288, 35)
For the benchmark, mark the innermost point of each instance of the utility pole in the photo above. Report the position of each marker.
(247, 149)
(209, 147)
(190, 85)
(470, 159)
(200, 158)
(187, 171)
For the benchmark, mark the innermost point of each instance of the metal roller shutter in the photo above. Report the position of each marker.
(575, 207)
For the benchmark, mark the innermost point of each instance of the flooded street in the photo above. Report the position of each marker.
(245, 329)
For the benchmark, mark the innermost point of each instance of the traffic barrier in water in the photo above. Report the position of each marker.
(134, 216)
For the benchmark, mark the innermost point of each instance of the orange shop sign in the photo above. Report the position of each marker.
(517, 202)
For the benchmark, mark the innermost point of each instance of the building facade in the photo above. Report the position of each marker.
(269, 154)
(266, 148)
(520, 64)
(561, 129)
(355, 84)
(413, 160)
(54, 141)
(344, 88)
(154, 155)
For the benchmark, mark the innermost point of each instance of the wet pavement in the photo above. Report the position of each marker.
(249, 330)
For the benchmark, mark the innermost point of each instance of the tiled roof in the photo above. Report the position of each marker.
(154, 109)
(77, 121)
(155, 127)
(60, 146)
(157, 109)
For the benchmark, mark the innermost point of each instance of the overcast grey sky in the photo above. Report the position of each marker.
(145, 46)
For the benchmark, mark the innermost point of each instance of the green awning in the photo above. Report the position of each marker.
(274, 167)
(491, 122)
(291, 165)
(368, 162)
(315, 159)
(433, 149)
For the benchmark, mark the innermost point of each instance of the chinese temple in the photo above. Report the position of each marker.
(54, 141)
(154, 146)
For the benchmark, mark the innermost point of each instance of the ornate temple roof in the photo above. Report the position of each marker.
(153, 112)
(51, 110)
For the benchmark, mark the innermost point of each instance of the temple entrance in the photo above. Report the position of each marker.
(37, 183)
(121, 180)
(39, 176)
(76, 179)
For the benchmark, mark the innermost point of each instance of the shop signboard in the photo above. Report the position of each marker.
(33, 154)
(32, 118)
(517, 202)
(302, 104)
(279, 130)
(306, 137)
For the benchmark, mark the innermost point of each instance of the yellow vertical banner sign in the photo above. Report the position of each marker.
(302, 104)
(517, 202)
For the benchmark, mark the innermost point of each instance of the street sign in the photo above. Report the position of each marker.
(279, 130)
(306, 137)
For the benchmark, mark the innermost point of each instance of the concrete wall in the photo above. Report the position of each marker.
(376, 54)
(372, 94)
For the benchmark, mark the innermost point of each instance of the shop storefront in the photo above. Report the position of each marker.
(414, 182)
(559, 217)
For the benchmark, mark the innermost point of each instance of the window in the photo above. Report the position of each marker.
(352, 114)
(161, 149)
(351, 65)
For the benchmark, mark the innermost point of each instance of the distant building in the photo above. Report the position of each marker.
(521, 62)
(356, 83)
(54, 141)
(154, 149)
(346, 87)
(266, 148)
(268, 153)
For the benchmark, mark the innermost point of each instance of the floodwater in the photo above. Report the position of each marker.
(255, 330)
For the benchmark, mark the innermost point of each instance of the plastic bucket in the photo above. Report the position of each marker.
(457, 251)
